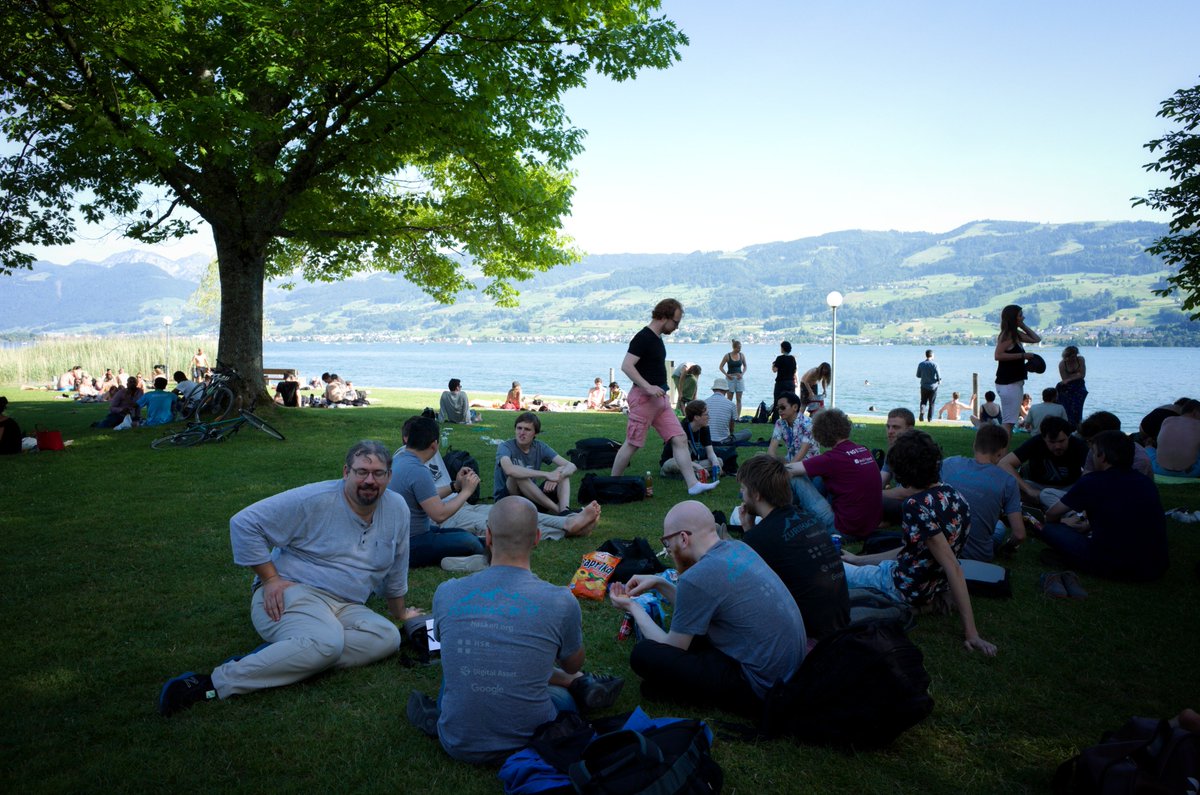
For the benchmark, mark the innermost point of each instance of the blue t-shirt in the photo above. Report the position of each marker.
(412, 481)
(990, 491)
(158, 405)
(732, 596)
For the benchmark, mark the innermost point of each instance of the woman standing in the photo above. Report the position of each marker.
(1010, 356)
(733, 367)
(1072, 390)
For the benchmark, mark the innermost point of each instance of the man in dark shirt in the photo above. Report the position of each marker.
(649, 404)
(1051, 462)
(784, 368)
(1111, 522)
(795, 545)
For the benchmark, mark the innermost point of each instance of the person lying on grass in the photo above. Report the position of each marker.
(934, 522)
(317, 553)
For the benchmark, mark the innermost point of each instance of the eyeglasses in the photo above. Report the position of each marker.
(378, 474)
(667, 538)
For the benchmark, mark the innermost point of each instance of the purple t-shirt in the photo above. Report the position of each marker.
(852, 480)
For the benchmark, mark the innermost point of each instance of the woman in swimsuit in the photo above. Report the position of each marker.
(513, 400)
(989, 412)
(733, 367)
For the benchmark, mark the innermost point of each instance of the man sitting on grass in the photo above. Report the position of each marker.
(519, 463)
(699, 445)
(1111, 522)
(991, 492)
(848, 474)
(158, 403)
(899, 421)
(454, 405)
(1052, 461)
(1177, 450)
(735, 632)
(512, 648)
(318, 552)
(794, 545)
(934, 522)
(1049, 407)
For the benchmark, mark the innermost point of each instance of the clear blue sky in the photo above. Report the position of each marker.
(790, 119)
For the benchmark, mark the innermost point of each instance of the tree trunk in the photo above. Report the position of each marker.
(242, 262)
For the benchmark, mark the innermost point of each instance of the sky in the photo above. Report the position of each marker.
(788, 119)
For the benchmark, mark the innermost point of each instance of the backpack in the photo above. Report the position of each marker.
(761, 414)
(456, 460)
(728, 456)
(594, 453)
(637, 557)
(606, 490)
(868, 604)
(1144, 755)
(860, 687)
(882, 541)
(665, 760)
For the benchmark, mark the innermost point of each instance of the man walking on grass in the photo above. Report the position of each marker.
(318, 552)
(649, 404)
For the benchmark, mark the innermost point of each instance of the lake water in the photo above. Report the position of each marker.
(1127, 381)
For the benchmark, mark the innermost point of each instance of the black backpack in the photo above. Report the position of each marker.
(860, 687)
(607, 490)
(1144, 755)
(667, 760)
(761, 414)
(456, 460)
(637, 557)
(594, 453)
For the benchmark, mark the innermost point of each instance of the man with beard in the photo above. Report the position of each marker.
(318, 553)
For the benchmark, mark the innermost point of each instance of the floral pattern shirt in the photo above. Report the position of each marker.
(795, 436)
(939, 509)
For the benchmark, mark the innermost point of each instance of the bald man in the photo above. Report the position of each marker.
(512, 647)
(736, 630)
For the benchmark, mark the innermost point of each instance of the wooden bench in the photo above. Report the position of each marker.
(278, 374)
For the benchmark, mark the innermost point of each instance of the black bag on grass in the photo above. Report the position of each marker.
(608, 490)
(868, 604)
(1144, 755)
(761, 414)
(986, 579)
(637, 557)
(665, 760)
(456, 460)
(594, 453)
(860, 687)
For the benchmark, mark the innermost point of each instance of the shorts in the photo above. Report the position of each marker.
(1010, 401)
(735, 383)
(646, 412)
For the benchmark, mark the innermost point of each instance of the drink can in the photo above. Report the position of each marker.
(702, 476)
(715, 476)
(837, 543)
(626, 628)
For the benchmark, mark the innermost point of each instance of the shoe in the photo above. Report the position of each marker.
(700, 488)
(423, 713)
(1051, 584)
(596, 691)
(465, 564)
(183, 691)
(1070, 581)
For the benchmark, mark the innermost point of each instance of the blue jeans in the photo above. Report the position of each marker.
(428, 549)
(872, 575)
(808, 500)
(1192, 472)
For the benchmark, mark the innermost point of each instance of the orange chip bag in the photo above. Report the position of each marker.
(591, 579)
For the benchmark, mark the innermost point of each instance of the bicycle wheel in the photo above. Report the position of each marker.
(261, 424)
(216, 405)
(187, 438)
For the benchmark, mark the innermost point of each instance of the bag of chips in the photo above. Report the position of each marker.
(591, 579)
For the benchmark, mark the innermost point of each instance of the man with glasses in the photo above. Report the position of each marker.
(649, 403)
(318, 553)
(735, 632)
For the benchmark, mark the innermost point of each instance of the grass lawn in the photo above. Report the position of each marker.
(117, 575)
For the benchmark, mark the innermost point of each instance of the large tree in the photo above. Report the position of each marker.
(319, 137)
(1180, 160)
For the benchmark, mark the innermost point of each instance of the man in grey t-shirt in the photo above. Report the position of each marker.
(519, 463)
(736, 630)
(512, 647)
(318, 552)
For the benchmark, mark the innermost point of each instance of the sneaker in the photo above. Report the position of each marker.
(596, 691)
(700, 488)
(423, 713)
(465, 564)
(183, 691)
(1051, 584)
(1070, 581)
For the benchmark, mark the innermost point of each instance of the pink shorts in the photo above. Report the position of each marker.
(646, 412)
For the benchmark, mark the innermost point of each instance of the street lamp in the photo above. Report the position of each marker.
(834, 299)
(167, 321)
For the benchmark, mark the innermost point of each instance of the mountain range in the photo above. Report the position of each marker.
(1077, 281)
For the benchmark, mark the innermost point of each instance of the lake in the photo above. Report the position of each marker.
(869, 378)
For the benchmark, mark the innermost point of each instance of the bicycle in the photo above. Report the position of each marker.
(217, 398)
(200, 432)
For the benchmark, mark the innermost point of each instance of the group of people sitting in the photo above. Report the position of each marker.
(334, 391)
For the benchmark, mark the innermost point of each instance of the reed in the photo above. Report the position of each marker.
(43, 361)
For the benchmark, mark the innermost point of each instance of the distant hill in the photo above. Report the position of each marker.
(1076, 281)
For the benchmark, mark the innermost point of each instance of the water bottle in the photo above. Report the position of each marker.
(649, 483)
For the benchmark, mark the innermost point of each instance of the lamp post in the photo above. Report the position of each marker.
(167, 321)
(834, 299)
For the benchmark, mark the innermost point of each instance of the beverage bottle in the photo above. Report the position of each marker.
(649, 483)
(626, 628)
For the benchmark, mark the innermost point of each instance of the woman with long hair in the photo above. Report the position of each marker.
(1072, 390)
(733, 367)
(814, 386)
(1010, 356)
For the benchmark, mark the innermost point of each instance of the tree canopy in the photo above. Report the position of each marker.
(1180, 160)
(318, 137)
